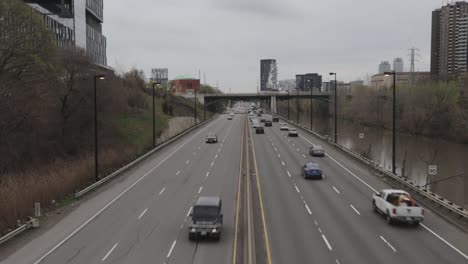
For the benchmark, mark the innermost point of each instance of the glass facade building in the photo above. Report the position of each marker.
(75, 23)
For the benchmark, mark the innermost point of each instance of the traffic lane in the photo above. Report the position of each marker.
(89, 206)
(293, 236)
(437, 227)
(334, 216)
(414, 244)
(221, 181)
(163, 243)
(85, 244)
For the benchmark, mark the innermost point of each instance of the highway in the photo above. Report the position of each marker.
(142, 216)
(331, 220)
(147, 223)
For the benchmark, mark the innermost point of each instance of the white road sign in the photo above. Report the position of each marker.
(432, 169)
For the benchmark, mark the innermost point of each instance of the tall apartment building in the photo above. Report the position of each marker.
(305, 82)
(449, 40)
(75, 23)
(384, 66)
(268, 75)
(398, 65)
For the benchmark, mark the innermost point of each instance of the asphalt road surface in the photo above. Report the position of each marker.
(331, 220)
(141, 217)
(148, 222)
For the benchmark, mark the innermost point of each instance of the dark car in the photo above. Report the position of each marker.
(312, 170)
(211, 138)
(207, 219)
(316, 150)
(259, 114)
(262, 120)
(268, 123)
(259, 130)
(275, 119)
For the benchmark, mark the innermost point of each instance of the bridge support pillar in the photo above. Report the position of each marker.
(273, 107)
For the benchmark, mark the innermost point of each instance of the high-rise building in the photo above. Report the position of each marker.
(75, 23)
(449, 40)
(305, 82)
(286, 85)
(398, 65)
(268, 75)
(160, 75)
(384, 66)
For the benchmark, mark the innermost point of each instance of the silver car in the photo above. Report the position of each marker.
(316, 150)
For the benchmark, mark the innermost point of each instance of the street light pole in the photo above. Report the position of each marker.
(154, 114)
(336, 109)
(393, 73)
(96, 150)
(288, 105)
(195, 104)
(297, 106)
(311, 108)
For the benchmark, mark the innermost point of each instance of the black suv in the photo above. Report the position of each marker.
(259, 130)
(207, 219)
(268, 123)
(275, 119)
(211, 138)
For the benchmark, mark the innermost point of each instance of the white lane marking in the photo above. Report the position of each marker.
(355, 210)
(326, 242)
(219, 149)
(221, 145)
(279, 156)
(177, 173)
(117, 197)
(303, 156)
(216, 156)
(337, 262)
(189, 210)
(282, 162)
(142, 214)
(289, 174)
(445, 241)
(198, 147)
(320, 230)
(297, 189)
(298, 149)
(388, 244)
(276, 149)
(308, 210)
(187, 162)
(172, 248)
(212, 163)
(336, 190)
(110, 251)
(199, 190)
(315, 222)
(207, 174)
(163, 189)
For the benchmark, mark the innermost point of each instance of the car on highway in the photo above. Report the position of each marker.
(312, 170)
(284, 126)
(259, 130)
(259, 114)
(229, 117)
(211, 138)
(293, 132)
(255, 123)
(275, 119)
(316, 150)
(397, 206)
(268, 123)
(206, 218)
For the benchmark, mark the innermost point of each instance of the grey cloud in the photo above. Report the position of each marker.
(265, 8)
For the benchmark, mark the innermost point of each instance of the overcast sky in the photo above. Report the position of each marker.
(227, 38)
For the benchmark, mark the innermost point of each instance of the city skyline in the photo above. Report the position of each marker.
(232, 56)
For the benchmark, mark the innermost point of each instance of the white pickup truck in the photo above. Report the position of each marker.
(397, 206)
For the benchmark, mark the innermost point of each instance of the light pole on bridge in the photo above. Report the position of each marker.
(336, 110)
(393, 73)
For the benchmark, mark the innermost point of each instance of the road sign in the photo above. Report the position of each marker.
(432, 169)
(361, 135)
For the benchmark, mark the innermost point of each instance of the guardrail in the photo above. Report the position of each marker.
(138, 160)
(33, 222)
(454, 208)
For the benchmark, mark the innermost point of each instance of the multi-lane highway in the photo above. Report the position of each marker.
(331, 220)
(146, 221)
(142, 217)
